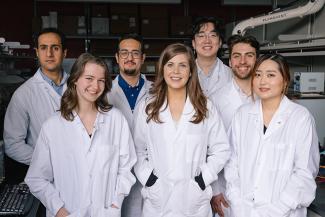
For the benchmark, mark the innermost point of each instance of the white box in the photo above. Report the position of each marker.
(309, 82)
(99, 25)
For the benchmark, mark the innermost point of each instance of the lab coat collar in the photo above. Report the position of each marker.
(279, 118)
(39, 79)
(100, 118)
(56, 98)
(144, 90)
(187, 114)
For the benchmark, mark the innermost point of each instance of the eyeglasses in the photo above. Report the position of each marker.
(125, 54)
(203, 36)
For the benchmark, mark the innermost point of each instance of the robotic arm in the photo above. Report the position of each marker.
(311, 7)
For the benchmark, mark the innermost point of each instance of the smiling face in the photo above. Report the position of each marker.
(177, 72)
(130, 57)
(50, 53)
(91, 84)
(242, 60)
(268, 82)
(206, 42)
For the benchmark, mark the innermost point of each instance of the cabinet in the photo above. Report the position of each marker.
(96, 28)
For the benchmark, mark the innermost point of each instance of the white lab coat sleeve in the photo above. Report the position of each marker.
(300, 189)
(15, 131)
(218, 151)
(143, 167)
(39, 177)
(231, 170)
(219, 186)
(127, 158)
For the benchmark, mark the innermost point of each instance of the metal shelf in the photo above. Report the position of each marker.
(109, 37)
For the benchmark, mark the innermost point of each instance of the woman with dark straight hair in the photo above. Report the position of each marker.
(180, 141)
(82, 162)
(275, 154)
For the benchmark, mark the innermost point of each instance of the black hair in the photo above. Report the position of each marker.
(50, 30)
(200, 21)
(133, 36)
(246, 39)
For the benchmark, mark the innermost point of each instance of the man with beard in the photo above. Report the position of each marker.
(243, 51)
(129, 88)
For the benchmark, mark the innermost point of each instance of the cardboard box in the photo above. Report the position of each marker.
(99, 10)
(99, 25)
(154, 11)
(180, 26)
(154, 27)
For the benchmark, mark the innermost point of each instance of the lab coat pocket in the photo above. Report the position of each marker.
(81, 212)
(152, 195)
(197, 201)
(107, 153)
(111, 212)
(194, 147)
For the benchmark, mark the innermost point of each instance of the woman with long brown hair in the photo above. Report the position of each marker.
(180, 141)
(82, 162)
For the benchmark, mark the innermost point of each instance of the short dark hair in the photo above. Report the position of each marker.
(133, 36)
(246, 39)
(50, 30)
(200, 21)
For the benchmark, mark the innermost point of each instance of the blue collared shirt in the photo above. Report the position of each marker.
(130, 92)
(57, 88)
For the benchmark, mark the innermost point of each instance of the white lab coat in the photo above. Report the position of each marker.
(85, 175)
(272, 174)
(227, 100)
(132, 205)
(177, 155)
(218, 77)
(30, 106)
(117, 98)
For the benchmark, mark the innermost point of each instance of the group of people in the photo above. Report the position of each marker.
(202, 138)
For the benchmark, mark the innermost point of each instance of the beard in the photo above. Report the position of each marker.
(241, 76)
(130, 72)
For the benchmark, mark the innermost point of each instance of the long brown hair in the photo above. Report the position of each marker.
(193, 88)
(69, 100)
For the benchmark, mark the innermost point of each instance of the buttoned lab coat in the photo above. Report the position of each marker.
(218, 77)
(81, 173)
(132, 206)
(227, 100)
(32, 103)
(272, 174)
(177, 155)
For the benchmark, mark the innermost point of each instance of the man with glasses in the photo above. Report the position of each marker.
(129, 88)
(206, 41)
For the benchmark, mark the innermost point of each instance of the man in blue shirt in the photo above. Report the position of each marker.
(34, 102)
(129, 88)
